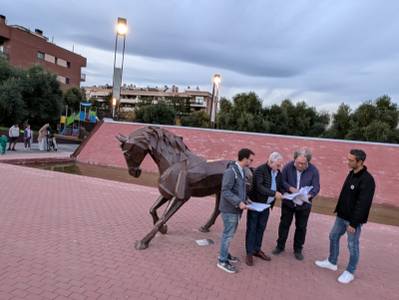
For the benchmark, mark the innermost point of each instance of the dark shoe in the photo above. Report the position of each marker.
(13, 149)
(227, 267)
(277, 251)
(298, 255)
(249, 260)
(262, 255)
(232, 259)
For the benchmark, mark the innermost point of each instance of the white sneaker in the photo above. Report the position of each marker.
(325, 264)
(346, 277)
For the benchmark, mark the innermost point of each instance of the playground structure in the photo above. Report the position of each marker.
(71, 125)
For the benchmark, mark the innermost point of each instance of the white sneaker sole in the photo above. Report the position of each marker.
(326, 267)
(226, 270)
(345, 282)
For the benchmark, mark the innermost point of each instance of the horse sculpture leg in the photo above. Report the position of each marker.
(153, 212)
(173, 208)
(215, 214)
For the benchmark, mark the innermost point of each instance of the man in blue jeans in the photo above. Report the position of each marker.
(232, 203)
(352, 210)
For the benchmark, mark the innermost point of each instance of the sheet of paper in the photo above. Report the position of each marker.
(299, 197)
(256, 206)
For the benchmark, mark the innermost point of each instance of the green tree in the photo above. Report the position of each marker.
(6, 71)
(12, 106)
(42, 95)
(196, 119)
(73, 97)
(341, 123)
(160, 113)
(375, 121)
(245, 114)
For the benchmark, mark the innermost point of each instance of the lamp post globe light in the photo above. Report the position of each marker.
(121, 32)
(216, 81)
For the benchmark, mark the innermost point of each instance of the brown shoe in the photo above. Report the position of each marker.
(249, 260)
(262, 255)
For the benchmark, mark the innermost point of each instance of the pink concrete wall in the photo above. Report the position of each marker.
(328, 156)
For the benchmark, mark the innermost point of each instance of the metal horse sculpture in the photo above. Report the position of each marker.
(182, 174)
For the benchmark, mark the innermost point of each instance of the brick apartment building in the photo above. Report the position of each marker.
(24, 48)
(131, 96)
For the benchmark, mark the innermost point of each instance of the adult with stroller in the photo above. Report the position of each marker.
(42, 137)
(51, 142)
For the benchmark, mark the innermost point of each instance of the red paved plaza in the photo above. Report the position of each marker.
(71, 237)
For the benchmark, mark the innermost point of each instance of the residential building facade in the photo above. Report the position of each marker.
(24, 48)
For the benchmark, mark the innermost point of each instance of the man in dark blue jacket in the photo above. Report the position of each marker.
(297, 174)
(267, 187)
(232, 202)
(352, 210)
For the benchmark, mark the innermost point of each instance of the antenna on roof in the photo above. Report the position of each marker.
(73, 47)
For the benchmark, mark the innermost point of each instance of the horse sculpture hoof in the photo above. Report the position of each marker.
(204, 229)
(140, 245)
(163, 229)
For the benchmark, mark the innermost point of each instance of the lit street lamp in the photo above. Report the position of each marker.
(113, 107)
(121, 31)
(216, 80)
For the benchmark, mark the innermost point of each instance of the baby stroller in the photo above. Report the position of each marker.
(51, 142)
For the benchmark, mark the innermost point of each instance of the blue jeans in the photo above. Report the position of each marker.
(256, 225)
(337, 231)
(230, 223)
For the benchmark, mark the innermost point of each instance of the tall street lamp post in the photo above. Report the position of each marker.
(121, 31)
(216, 80)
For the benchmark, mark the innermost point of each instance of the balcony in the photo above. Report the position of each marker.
(82, 77)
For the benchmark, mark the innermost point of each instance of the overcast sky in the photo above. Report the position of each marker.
(323, 52)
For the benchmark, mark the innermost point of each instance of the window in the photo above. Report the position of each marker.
(68, 64)
(62, 62)
(199, 100)
(49, 58)
(40, 55)
(62, 79)
(66, 80)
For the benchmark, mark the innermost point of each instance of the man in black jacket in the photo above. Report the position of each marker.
(267, 187)
(352, 210)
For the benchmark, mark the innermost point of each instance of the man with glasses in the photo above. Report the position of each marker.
(297, 174)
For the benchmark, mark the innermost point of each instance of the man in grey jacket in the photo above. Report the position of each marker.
(232, 203)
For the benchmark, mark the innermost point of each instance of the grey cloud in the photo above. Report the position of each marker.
(338, 48)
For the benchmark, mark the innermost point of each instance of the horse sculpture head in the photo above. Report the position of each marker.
(135, 147)
(165, 148)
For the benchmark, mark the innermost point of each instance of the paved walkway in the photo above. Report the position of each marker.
(71, 237)
(64, 151)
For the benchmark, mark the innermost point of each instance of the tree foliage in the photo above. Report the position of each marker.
(32, 95)
(160, 113)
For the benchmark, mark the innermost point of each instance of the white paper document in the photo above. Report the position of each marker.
(256, 206)
(299, 197)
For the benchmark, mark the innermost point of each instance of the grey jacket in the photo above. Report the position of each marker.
(233, 190)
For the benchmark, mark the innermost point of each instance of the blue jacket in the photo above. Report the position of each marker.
(309, 177)
(233, 190)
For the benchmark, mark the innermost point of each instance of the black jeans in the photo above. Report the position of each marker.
(256, 225)
(301, 222)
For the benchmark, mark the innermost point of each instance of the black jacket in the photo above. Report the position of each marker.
(262, 182)
(357, 193)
